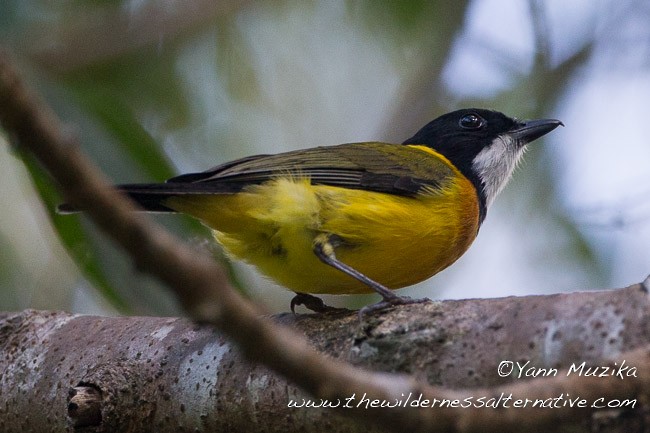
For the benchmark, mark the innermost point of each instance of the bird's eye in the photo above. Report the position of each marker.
(471, 121)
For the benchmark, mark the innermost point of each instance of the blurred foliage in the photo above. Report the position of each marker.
(148, 83)
(73, 236)
(9, 265)
(113, 100)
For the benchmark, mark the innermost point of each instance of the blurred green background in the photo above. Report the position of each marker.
(156, 88)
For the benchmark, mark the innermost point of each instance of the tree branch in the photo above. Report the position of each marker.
(133, 373)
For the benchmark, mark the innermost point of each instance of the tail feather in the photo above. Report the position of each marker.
(151, 197)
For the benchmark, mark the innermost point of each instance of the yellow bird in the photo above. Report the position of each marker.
(357, 217)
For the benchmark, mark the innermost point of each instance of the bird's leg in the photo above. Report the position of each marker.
(324, 250)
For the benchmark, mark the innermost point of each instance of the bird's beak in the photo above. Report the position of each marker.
(530, 130)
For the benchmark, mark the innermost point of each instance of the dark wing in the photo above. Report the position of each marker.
(381, 167)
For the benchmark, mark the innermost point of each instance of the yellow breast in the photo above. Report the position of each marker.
(397, 241)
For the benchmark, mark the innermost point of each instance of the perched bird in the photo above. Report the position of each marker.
(357, 217)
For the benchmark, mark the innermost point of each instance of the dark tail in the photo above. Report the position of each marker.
(149, 197)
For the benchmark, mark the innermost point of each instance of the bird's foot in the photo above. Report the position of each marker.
(312, 303)
(388, 302)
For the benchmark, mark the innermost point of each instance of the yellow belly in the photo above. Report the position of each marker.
(396, 241)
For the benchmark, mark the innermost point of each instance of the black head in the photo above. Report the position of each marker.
(484, 145)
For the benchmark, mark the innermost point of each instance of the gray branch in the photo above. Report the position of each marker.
(168, 374)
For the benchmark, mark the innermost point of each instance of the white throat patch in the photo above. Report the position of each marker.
(495, 164)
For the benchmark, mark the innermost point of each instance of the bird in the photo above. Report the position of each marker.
(357, 217)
